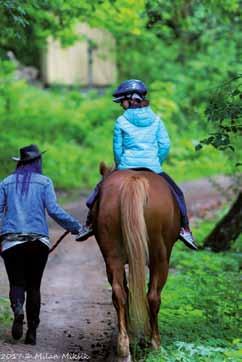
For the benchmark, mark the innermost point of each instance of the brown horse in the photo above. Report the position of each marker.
(136, 222)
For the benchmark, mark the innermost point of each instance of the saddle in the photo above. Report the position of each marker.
(141, 169)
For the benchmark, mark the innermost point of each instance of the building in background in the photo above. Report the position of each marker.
(88, 63)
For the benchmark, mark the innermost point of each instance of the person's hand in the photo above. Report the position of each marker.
(84, 233)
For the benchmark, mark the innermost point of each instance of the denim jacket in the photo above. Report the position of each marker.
(27, 213)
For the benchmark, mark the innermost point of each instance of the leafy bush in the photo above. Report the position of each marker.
(76, 130)
(199, 318)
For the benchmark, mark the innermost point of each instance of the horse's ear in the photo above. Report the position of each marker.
(103, 168)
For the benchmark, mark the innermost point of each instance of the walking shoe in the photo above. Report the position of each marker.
(84, 233)
(30, 336)
(186, 236)
(17, 327)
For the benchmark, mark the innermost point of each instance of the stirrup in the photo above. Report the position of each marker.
(187, 238)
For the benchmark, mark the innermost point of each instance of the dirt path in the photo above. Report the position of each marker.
(77, 316)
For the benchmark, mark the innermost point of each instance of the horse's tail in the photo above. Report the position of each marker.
(134, 196)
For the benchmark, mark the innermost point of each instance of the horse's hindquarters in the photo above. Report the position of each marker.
(137, 221)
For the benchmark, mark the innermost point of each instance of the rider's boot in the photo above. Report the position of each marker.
(187, 237)
(87, 230)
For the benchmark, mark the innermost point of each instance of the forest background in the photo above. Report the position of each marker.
(188, 53)
(183, 50)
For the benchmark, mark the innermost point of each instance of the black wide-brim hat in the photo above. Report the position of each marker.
(28, 153)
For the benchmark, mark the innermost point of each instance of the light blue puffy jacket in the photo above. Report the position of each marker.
(140, 140)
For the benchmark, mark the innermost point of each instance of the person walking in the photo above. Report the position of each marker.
(25, 196)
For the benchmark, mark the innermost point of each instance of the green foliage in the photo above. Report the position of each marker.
(181, 49)
(25, 25)
(189, 21)
(43, 17)
(192, 45)
(76, 130)
(73, 131)
(5, 315)
(225, 112)
(199, 317)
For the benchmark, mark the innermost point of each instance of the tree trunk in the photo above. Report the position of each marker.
(227, 229)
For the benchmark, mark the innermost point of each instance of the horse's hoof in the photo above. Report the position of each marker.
(155, 343)
(124, 359)
(123, 347)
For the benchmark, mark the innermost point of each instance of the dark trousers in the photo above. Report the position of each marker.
(179, 196)
(175, 189)
(25, 264)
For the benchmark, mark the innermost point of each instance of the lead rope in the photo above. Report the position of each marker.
(58, 241)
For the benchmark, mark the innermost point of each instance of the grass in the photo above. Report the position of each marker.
(5, 314)
(199, 316)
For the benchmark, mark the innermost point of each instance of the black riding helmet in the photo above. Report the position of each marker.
(131, 88)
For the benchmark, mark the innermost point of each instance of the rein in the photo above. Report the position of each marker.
(58, 241)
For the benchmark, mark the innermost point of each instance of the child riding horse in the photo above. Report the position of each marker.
(141, 141)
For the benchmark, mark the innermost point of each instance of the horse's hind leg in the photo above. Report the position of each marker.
(116, 277)
(158, 275)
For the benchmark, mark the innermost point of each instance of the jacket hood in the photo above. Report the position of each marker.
(140, 117)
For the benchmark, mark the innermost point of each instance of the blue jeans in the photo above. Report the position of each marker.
(175, 189)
